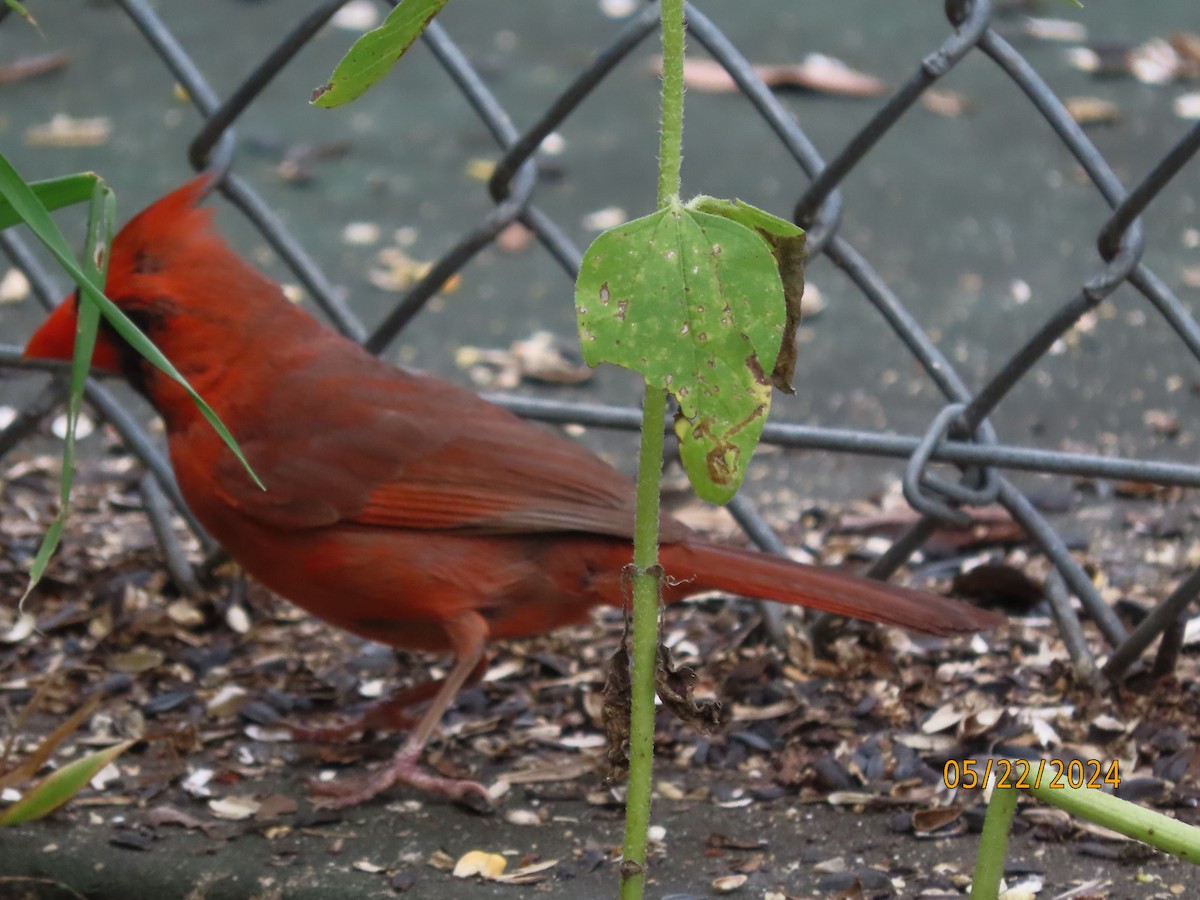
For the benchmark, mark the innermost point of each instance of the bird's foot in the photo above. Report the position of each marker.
(405, 768)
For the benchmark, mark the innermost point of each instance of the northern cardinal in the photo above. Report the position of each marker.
(399, 506)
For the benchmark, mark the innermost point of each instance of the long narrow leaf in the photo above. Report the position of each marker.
(25, 202)
(49, 544)
(54, 193)
(60, 786)
(19, 8)
(101, 220)
(29, 766)
(138, 340)
(15, 727)
(102, 215)
(29, 209)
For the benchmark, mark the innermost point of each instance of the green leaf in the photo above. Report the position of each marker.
(787, 243)
(19, 8)
(17, 192)
(53, 194)
(750, 216)
(49, 544)
(25, 203)
(101, 222)
(692, 301)
(36, 758)
(373, 55)
(60, 786)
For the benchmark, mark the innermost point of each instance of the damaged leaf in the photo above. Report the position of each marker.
(787, 243)
(691, 301)
(675, 686)
(616, 709)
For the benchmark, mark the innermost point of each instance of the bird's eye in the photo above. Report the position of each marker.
(147, 263)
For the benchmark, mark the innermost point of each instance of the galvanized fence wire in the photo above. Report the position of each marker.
(959, 435)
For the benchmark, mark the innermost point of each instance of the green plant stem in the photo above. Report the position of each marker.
(1145, 825)
(645, 646)
(670, 141)
(646, 578)
(993, 844)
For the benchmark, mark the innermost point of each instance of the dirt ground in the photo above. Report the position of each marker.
(828, 782)
(389, 851)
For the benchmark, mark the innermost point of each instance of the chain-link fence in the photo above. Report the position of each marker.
(961, 459)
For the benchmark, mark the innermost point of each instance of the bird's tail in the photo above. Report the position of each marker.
(696, 566)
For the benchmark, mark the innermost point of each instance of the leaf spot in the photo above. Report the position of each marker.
(756, 369)
(721, 462)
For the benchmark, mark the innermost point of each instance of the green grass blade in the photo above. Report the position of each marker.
(53, 193)
(60, 786)
(46, 550)
(134, 336)
(32, 762)
(19, 8)
(101, 222)
(22, 199)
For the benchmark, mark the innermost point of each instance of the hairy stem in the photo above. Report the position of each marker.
(646, 580)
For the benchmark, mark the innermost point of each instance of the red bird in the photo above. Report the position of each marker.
(398, 506)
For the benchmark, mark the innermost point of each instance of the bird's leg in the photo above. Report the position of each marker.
(468, 635)
(391, 713)
(405, 767)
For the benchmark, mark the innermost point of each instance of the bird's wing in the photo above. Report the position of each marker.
(388, 448)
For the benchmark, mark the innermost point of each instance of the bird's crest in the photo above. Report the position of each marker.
(159, 234)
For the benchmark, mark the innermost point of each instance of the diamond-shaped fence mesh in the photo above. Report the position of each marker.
(960, 461)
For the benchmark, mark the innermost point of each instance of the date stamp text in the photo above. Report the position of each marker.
(1023, 774)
